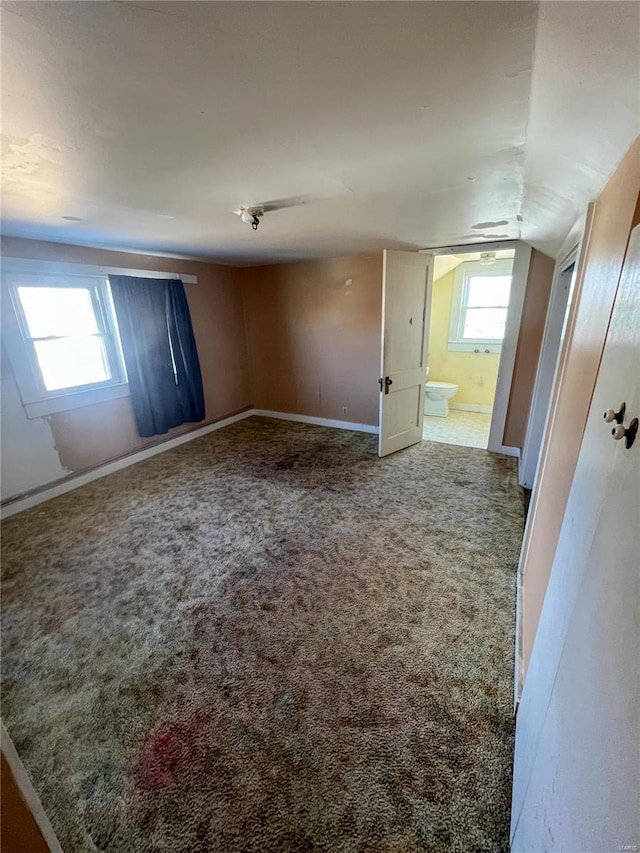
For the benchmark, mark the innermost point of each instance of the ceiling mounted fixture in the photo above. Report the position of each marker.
(487, 258)
(252, 214)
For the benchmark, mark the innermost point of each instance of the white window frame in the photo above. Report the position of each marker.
(37, 400)
(36, 405)
(464, 272)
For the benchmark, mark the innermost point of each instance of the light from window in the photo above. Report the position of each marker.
(479, 306)
(487, 301)
(68, 340)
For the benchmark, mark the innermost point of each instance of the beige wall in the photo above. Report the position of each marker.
(313, 332)
(476, 374)
(534, 312)
(597, 275)
(299, 338)
(89, 436)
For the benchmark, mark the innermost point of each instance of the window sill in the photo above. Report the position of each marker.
(481, 347)
(76, 400)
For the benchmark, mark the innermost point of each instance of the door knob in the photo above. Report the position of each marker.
(618, 417)
(628, 433)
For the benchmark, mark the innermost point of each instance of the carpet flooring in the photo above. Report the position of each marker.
(268, 639)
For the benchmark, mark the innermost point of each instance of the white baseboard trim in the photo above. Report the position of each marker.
(308, 419)
(54, 491)
(505, 450)
(74, 482)
(471, 407)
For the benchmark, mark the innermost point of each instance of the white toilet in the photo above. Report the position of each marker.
(436, 395)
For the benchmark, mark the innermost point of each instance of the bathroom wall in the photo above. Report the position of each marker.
(475, 373)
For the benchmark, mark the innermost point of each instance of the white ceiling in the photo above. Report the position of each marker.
(404, 125)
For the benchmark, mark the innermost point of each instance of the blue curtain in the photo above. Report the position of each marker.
(159, 351)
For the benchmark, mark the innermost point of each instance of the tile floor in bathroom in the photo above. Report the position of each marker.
(470, 429)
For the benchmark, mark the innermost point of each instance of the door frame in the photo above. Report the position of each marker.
(519, 276)
(547, 365)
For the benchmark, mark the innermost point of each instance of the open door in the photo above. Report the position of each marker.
(406, 298)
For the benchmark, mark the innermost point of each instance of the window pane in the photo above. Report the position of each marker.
(485, 323)
(488, 290)
(58, 311)
(68, 362)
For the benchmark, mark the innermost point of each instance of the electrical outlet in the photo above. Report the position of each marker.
(344, 410)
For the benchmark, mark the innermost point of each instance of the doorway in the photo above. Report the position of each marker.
(555, 326)
(470, 302)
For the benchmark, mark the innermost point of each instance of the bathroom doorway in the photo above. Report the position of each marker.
(469, 309)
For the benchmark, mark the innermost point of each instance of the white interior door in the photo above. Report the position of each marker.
(406, 302)
(577, 756)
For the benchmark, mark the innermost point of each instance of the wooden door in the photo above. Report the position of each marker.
(406, 296)
(577, 759)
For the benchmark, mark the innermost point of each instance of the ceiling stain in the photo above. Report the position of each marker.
(26, 158)
(482, 225)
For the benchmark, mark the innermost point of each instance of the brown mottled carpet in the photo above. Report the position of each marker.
(269, 640)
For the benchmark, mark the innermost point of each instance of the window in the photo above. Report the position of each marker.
(479, 306)
(62, 340)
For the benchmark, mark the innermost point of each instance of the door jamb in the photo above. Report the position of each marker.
(546, 371)
(520, 273)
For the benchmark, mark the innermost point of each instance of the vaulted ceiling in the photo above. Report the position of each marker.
(140, 125)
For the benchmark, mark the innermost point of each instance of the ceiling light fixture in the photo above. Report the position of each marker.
(250, 215)
(487, 258)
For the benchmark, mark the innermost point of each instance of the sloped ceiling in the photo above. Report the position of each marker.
(398, 125)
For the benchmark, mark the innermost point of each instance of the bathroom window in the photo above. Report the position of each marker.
(479, 306)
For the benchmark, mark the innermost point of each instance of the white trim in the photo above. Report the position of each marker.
(585, 223)
(42, 408)
(14, 506)
(308, 419)
(519, 276)
(22, 265)
(466, 248)
(36, 399)
(506, 450)
(559, 302)
(472, 407)
(54, 491)
(475, 346)
(26, 789)
(464, 272)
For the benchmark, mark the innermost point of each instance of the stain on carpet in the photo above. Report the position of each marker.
(268, 639)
